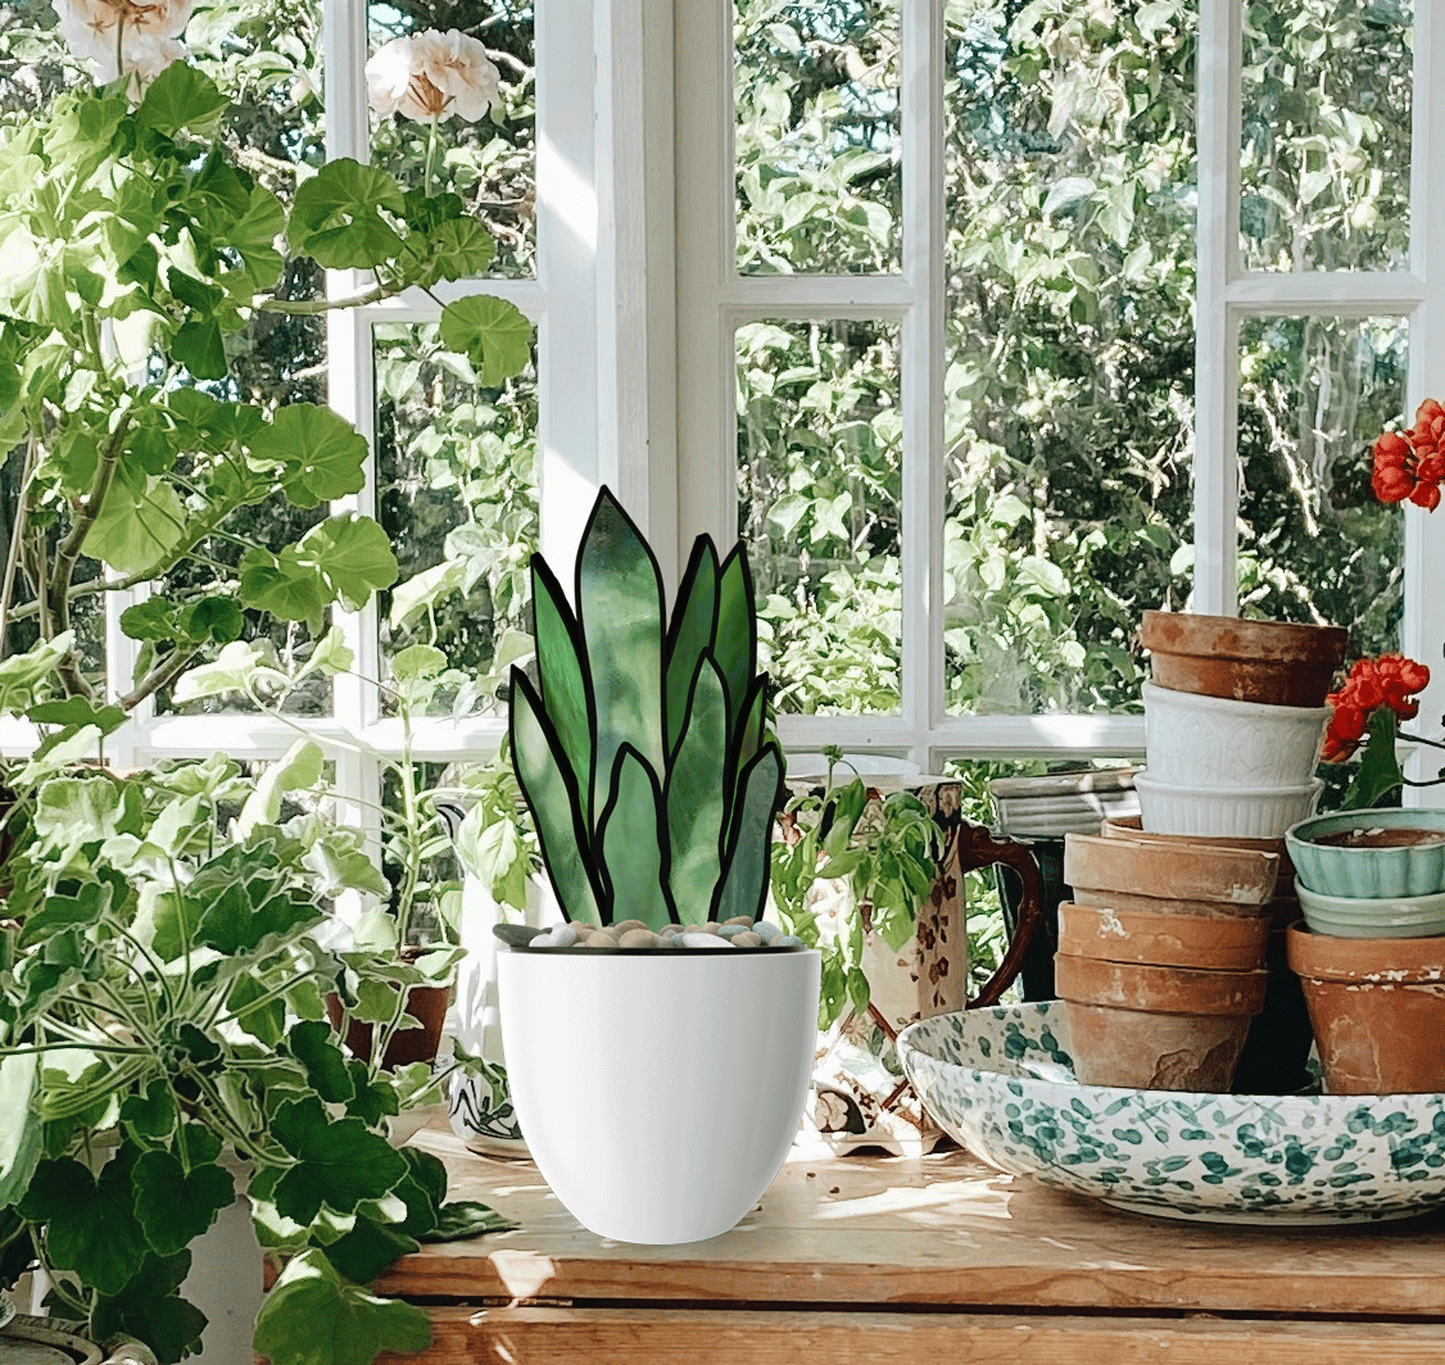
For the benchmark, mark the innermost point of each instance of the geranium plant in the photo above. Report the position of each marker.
(132, 248)
(1380, 693)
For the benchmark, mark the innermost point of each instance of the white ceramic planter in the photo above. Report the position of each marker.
(1199, 741)
(1214, 813)
(659, 1092)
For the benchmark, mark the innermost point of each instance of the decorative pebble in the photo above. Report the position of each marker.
(518, 935)
(739, 919)
(747, 939)
(704, 941)
(769, 933)
(637, 938)
(788, 941)
(620, 927)
(731, 930)
(561, 936)
(601, 941)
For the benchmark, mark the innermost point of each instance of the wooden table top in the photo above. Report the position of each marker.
(942, 1230)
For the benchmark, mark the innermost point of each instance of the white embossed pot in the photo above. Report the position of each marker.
(1200, 741)
(625, 1066)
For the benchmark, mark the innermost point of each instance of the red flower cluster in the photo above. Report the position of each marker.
(1387, 681)
(1412, 464)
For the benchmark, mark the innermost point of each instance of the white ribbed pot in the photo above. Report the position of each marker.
(1220, 813)
(1199, 741)
(624, 1065)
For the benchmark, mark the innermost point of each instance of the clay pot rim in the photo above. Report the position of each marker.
(1132, 827)
(1365, 961)
(1298, 642)
(1250, 867)
(1243, 929)
(1204, 991)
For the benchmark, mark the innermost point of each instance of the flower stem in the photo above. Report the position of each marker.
(120, 47)
(431, 147)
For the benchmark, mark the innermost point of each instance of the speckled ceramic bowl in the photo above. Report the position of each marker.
(1001, 1082)
(1410, 870)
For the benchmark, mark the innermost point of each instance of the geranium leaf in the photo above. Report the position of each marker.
(313, 1317)
(314, 1046)
(149, 1309)
(368, 1249)
(174, 1205)
(199, 346)
(492, 333)
(152, 1114)
(180, 97)
(338, 1163)
(336, 218)
(91, 1226)
(322, 452)
(464, 1218)
(20, 1130)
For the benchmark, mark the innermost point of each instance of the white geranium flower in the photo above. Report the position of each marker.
(432, 75)
(148, 40)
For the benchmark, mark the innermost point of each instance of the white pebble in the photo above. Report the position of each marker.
(704, 941)
(558, 936)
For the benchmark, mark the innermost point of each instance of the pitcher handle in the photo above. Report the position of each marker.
(978, 848)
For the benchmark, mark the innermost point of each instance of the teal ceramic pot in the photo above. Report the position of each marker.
(1373, 916)
(1377, 867)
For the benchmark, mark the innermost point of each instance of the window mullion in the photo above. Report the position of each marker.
(1423, 628)
(1216, 366)
(922, 339)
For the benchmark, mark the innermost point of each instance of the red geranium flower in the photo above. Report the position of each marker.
(1389, 681)
(1412, 464)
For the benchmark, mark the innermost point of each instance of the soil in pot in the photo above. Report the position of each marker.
(1383, 838)
(1378, 1010)
(1276, 662)
(1156, 1028)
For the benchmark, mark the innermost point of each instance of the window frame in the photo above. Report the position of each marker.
(713, 299)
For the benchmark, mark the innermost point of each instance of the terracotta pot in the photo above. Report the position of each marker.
(1211, 941)
(1276, 662)
(1213, 880)
(1132, 827)
(1156, 1028)
(1378, 1010)
(427, 1004)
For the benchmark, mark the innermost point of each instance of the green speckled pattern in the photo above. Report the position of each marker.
(1001, 1082)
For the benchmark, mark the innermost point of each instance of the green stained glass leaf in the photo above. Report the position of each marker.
(562, 673)
(552, 794)
(619, 603)
(697, 796)
(736, 645)
(694, 624)
(632, 843)
(746, 870)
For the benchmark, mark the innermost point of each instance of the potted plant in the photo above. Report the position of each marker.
(1371, 878)
(164, 1049)
(645, 756)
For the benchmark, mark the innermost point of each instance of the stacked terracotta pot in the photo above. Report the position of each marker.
(1162, 960)
(1233, 722)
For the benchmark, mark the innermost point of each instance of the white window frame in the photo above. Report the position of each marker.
(713, 299)
(589, 422)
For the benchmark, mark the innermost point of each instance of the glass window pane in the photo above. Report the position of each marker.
(490, 161)
(1326, 150)
(1069, 162)
(457, 494)
(817, 139)
(820, 508)
(1315, 544)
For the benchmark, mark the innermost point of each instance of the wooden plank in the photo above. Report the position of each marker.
(591, 1336)
(941, 1230)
